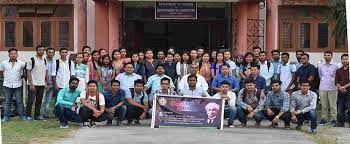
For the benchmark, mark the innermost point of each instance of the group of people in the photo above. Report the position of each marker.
(98, 87)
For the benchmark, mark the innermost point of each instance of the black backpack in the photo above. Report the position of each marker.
(133, 95)
(25, 67)
(58, 65)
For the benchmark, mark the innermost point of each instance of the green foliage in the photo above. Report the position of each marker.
(338, 15)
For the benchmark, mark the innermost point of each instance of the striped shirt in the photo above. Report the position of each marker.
(303, 103)
(280, 101)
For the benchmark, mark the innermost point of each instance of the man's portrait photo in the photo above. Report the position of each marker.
(212, 110)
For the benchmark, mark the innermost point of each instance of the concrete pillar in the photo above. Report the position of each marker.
(81, 26)
(242, 16)
(271, 27)
(114, 15)
(101, 25)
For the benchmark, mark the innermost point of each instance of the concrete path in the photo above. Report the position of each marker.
(145, 135)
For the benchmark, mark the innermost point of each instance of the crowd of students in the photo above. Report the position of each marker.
(98, 86)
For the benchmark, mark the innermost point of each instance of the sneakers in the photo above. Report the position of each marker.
(257, 124)
(287, 126)
(24, 119)
(322, 122)
(109, 123)
(231, 126)
(4, 119)
(86, 125)
(298, 127)
(242, 125)
(129, 122)
(41, 118)
(92, 124)
(29, 118)
(119, 123)
(314, 131)
(64, 125)
(273, 125)
(137, 122)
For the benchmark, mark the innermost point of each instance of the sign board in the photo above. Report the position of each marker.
(175, 10)
(183, 111)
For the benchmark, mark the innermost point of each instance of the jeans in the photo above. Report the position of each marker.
(285, 117)
(8, 93)
(133, 112)
(46, 103)
(311, 115)
(56, 93)
(65, 114)
(86, 114)
(36, 95)
(343, 105)
(231, 114)
(242, 115)
(119, 113)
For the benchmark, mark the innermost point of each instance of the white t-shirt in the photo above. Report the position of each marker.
(92, 100)
(286, 76)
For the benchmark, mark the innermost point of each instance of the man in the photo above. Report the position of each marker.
(286, 73)
(194, 56)
(50, 53)
(328, 89)
(200, 52)
(170, 67)
(307, 71)
(141, 56)
(276, 62)
(256, 51)
(259, 81)
(227, 59)
(150, 63)
(37, 79)
(62, 70)
(212, 110)
(161, 56)
(201, 82)
(303, 105)
(251, 102)
(153, 82)
(114, 100)
(93, 106)
(298, 54)
(192, 89)
(230, 110)
(343, 86)
(128, 77)
(165, 90)
(66, 106)
(137, 106)
(12, 70)
(276, 106)
(216, 83)
(266, 69)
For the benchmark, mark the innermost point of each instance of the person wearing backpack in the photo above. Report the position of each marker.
(286, 73)
(250, 103)
(62, 70)
(266, 69)
(93, 105)
(137, 103)
(37, 79)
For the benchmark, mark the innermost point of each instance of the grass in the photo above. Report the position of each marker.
(324, 135)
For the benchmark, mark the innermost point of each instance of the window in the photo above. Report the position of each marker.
(9, 11)
(27, 34)
(63, 34)
(287, 35)
(63, 12)
(322, 40)
(305, 35)
(10, 34)
(45, 33)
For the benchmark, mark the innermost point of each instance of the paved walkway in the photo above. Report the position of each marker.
(145, 135)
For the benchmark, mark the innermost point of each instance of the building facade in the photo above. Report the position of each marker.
(287, 25)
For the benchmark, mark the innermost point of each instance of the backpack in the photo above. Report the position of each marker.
(133, 95)
(33, 64)
(258, 93)
(58, 65)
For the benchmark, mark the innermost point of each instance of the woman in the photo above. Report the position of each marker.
(102, 52)
(95, 69)
(239, 61)
(124, 57)
(139, 67)
(86, 57)
(204, 67)
(213, 56)
(117, 62)
(107, 72)
(216, 66)
(177, 57)
(248, 61)
(183, 67)
(81, 72)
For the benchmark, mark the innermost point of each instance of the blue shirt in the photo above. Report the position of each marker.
(49, 71)
(304, 72)
(113, 100)
(280, 101)
(260, 83)
(275, 63)
(67, 98)
(140, 69)
(220, 78)
(153, 83)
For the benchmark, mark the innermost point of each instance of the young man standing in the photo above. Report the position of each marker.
(286, 73)
(251, 103)
(66, 106)
(230, 110)
(200, 52)
(303, 105)
(50, 88)
(260, 82)
(276, 106)
(256, 51)
(227, 59)
(12, 70)
(328, 90)
(137, 103)
(298, 54)
(307, 71)
(276, 62)
(37, 79)
(150, 63)
(161, 56)
(192, 89)
(343, 86)
(216, 83)
(266, 69)
(170, 67)
(114, 100)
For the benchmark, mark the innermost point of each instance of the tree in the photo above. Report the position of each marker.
(338, 16)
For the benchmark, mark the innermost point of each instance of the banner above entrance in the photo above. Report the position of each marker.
(175, 10)
(197, 0)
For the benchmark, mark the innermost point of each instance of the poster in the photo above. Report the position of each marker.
(181, 111)
(175, 10)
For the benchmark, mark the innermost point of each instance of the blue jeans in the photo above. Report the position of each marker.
(242, 115)
(65, 114)
(230, 113)
(119, 113)
(343, 105)
(8, 93)
(46, 103)
(311, 115)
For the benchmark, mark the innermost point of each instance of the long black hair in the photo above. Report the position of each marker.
(182, 59)
(245, 63)
(92, 59)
